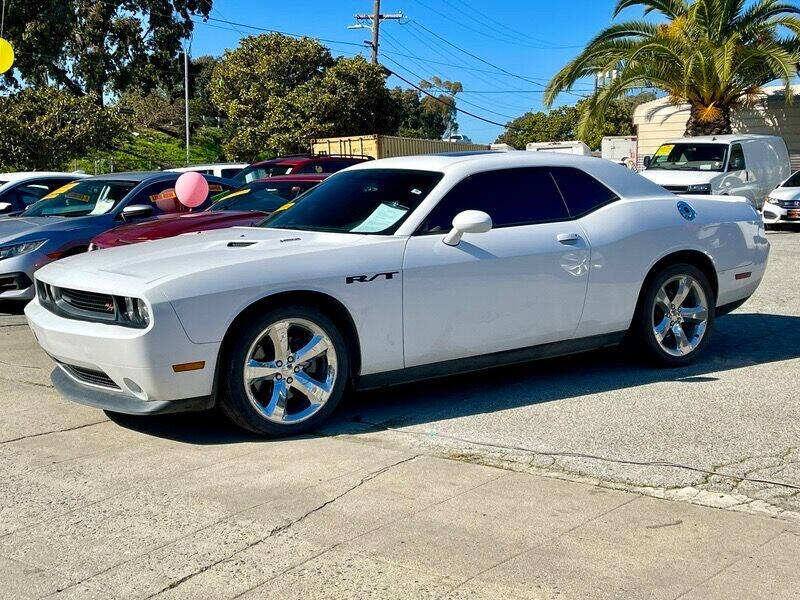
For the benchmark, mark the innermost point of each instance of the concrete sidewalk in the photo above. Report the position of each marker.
(102, 511)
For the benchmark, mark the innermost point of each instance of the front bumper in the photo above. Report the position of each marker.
(774, 214)
(17, 271)
(135, 364)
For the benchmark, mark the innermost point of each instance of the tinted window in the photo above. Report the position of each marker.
(370, 201)
(582, 192)
(289, 189)
(250, 198)
(163, 198)
(230, 172)
(81, 198)
(510, 197)
(736, 162)
(793, 181)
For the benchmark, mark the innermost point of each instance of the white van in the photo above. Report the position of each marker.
(746, 165)
(571, 147)
(225, 170)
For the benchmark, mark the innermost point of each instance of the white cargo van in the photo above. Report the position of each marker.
(746, 165)
(571, 147)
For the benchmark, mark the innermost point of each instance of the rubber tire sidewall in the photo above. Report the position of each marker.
(233, 397)
(643, 325)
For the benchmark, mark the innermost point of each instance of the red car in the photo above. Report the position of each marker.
(297, 165)
(244, 206)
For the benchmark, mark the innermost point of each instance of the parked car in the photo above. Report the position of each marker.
(297, 165)
(783, 203)
(225, 170)
(394, 270)
(63, 222)
(243, 207)
(458, 138)
(732, 165)
(19, 190)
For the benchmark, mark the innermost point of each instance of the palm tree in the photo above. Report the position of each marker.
(714, 55)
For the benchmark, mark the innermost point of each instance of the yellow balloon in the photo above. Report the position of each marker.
(6, 56)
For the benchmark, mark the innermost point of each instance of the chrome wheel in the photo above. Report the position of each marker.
(290, 371)
(680, 315)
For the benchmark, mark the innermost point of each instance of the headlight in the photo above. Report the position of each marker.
(17, 249)
(133, 312)
(772, 200)
(699, 188)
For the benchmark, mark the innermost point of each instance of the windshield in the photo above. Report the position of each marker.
(254, 172)
(373, 201)
(690, 157)
(793, 181)
(81, 198)
(251, 197)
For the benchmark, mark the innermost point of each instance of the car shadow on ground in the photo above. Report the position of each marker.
(739, 340)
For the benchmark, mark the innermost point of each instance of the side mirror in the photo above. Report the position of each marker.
(468, 221)
(135, 211)
(647, 160)
(5, 207)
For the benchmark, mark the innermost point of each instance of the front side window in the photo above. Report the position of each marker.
(690, 157)
(370, 201)
(252, 197)
(509, 196)
(582, 193)
(793, 181)
(82, 198)
(253, 172)
(736, 162)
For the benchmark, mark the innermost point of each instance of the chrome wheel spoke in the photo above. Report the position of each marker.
(311, 388)
(276, 409)
(695, 313)
(279, 335)
(684, 287)
(662, 300)
(256, 371)
(661, 329)
(315, 347)
(683, 346)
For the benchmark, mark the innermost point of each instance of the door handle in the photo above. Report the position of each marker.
(568, 238)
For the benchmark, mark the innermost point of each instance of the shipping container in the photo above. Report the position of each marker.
(387, 146)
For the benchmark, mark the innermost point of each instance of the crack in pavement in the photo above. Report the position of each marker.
(281, 528)
(35, 435)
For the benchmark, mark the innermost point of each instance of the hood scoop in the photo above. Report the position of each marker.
(240, 244)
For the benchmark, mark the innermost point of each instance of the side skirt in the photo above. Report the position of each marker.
(488, 361)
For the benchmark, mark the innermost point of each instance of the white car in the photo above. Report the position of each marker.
(391, 270)
(225, 170)
(783, 203)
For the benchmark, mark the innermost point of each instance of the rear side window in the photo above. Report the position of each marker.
(510, 197)
(582, 192)
(230, 172)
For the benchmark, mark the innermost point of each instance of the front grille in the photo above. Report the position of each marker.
(89, 301)
(789, 203)
(90, 376)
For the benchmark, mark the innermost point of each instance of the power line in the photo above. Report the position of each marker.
(376, 18)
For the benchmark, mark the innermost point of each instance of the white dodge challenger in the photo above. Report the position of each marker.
(395, 270)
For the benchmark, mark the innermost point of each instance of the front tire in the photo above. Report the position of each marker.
(285, 372)
(675, 316)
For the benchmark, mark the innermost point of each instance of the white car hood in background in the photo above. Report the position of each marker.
(785, 193)
(676, 177)
(151, 261)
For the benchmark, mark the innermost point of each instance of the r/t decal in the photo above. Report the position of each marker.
(368, 278)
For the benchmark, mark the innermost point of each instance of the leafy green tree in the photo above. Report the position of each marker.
(278, 92)
(560, 124)
(445, 101)
(714, 55)
(415, 119)
(45, 128)
(96, 47)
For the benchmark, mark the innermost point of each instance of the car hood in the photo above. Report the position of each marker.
(16, 227)
(171, 225)
(785, 193)
(667, 177)
(190, 253)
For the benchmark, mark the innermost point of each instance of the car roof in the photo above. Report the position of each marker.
(621, 180)
(141, 176)
(721, 139)
(293, 178)
(20, 175)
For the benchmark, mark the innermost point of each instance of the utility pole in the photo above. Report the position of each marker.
(186, 98)
(375, 20)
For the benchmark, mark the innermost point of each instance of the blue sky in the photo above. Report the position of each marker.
(528, 38)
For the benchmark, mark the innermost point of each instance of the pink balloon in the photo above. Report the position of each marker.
(191, 189)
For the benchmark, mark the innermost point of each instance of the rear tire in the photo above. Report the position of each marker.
(675, 316)
(285, 371)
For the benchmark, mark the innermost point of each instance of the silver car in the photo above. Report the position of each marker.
(64, 221)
